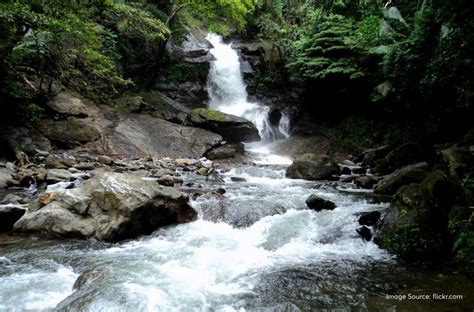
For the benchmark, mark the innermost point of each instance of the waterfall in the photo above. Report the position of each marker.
(227, 92)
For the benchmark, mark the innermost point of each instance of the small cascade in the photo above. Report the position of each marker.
(228, 94)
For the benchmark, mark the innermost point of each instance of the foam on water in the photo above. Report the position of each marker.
(35, 289)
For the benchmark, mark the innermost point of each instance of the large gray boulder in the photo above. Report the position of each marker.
(111, 207)
(312, 167)
(143, 135)
(232, 128)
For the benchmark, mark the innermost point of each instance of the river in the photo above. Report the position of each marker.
(256, 248)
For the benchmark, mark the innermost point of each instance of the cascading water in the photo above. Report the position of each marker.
(228, 94)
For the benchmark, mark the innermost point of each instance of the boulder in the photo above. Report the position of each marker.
(237, 179)
(194, 48)
(9, 214)
(71, 104)
(226, 151)
(143, 135)
(364, 232)
(312, 167)
(416, 225)
(319, 203)
(70, 131)
(232, 128)
(403, 155)
(371, 156)
(109, 206)
(366, 182)
(390, 184)
(166, 180)
(369, 218)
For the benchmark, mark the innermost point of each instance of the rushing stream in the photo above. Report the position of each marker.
(255, 248)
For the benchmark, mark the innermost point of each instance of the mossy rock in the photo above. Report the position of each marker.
(128, 104)
(390, 184)
(232, 128)
(416, 225)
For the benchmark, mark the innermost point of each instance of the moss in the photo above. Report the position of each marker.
(414, 243)
(212, 114)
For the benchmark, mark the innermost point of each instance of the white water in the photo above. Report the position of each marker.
(228, 94)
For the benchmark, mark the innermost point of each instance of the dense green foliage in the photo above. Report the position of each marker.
(98, 48)
(413, 55)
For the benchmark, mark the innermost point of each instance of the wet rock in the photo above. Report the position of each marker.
(274, 117)
(58, 175)
(366, 182)
(220, 191)
(364, 232)
(232, 128)
(238, 179)
(369, 218)
(312, 167)
(319, 203)
(403, 155)
(390, 184)
(166, 180)
(226, 151)
(177, 180)
(109, 206)
(9, 214)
